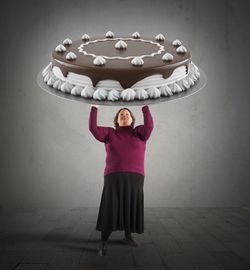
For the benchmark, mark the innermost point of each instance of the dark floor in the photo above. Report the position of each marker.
(174, 238)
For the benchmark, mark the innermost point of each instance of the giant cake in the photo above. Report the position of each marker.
(114, 68)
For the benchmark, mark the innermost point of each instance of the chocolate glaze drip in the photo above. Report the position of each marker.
(117, 69)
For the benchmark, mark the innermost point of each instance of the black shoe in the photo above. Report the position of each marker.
(131, 241)
(102, 248)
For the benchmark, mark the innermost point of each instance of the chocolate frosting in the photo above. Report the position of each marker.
(120, 69)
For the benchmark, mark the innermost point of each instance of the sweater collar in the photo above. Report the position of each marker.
(124, 127)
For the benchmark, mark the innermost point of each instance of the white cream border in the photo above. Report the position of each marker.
(80, 48)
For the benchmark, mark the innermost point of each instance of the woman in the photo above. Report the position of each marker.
(122, 203)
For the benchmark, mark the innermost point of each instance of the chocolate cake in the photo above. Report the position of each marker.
(121, 68)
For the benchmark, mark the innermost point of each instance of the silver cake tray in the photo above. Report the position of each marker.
(194, 89)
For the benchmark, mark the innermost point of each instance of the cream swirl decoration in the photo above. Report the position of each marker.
(121, 45)
(113, 95)
(160, 37)
(109, 34)
(137, 61)
(176, 42)
(87, 91)
(76, 90)
(70, 56)
(60, 48)
(181, 49)
(99, 61)
(66, 87)
(154, 92)
(67, 41)
(136, 35)
(167, 57)
(128, 94)
(85, 37)
(141, 94)
(154, 86)
(100, 94)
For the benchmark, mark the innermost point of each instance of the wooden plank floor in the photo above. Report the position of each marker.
(174, 238)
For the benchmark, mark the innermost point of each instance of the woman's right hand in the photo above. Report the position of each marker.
(94, 105)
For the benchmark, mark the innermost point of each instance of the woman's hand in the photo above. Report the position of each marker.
(94, 105)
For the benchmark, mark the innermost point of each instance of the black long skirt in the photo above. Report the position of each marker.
(122, 203)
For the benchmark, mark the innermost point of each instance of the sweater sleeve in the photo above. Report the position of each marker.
(100, 133)
(145, 130)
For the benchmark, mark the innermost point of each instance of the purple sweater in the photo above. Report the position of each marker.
(125, 146)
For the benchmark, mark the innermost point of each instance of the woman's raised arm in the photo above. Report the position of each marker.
(144, 131)
(100, 133)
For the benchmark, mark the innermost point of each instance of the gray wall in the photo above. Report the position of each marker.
(198, 154)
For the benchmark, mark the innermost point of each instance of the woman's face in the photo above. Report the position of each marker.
(124, 118)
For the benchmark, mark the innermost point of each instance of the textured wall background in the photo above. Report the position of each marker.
(198, 154)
